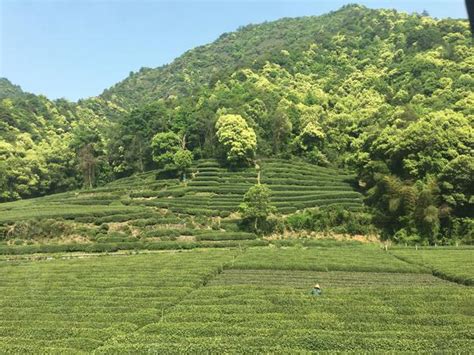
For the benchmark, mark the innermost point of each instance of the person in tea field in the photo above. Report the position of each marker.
(316, 291)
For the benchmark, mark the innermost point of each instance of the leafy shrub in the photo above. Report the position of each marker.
(43, 228)
(331, 219)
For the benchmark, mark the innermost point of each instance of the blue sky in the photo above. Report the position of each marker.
(77, 48)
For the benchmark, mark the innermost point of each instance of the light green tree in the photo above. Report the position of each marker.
(237, 138)
(311, 136)
(182, 161)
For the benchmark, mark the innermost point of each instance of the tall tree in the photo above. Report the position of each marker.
(164, 146)
(237, 138)
(256, 205)
(87, 164)
(281, 129)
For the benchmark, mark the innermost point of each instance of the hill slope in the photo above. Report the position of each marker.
(387, 94)
(355, 32)
(145, 213)
(249, 47)
(8, 90)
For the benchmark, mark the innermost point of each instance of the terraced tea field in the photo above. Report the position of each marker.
(215, 191)
(235, 301)
(143, 212)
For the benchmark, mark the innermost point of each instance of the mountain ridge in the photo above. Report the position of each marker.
(221, 47)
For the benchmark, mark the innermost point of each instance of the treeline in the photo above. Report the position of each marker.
(387, 94)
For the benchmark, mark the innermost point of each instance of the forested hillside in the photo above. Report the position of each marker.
(387, 94)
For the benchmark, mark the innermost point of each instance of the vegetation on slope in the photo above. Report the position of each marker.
(384, 93)
(141, 212)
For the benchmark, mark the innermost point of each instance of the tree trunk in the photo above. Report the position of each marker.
(140, 157)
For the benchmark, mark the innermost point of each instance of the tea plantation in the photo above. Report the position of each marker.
(455, 265)
(147, 211)
(236, 300)
(188, 279)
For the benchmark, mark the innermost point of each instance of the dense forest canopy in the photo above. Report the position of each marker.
(388, 94)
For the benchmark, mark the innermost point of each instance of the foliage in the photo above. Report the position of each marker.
(357, 258)
(256, 205)
(456, 184)
(253, 301)
(454, 265)
(237, 138)
(165, 145)
(140, 212)
(332, 219)
(385, 93)
(85, 314)
(182, 160)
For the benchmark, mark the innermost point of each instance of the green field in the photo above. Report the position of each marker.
(191, 208)
(236, 301)
(187, 279)
(454, 265)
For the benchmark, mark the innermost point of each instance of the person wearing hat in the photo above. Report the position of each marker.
(316, 291)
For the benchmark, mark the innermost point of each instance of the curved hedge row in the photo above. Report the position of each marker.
(225, 236)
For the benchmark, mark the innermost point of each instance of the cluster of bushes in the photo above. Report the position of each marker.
(93, 202)
(458, 230)
(453, 264)
(320, 243)
(144, 194)
(328, 327)
(230, 225)
(171, 192)
(331, 219)
(226, 193)
(32, 229)
(61, 211)
(334, 218)
(169, 233)
(113, 237)
(166, 232)
(356, 258)
(200, 211)
(342, 203)
(213, 183)
(73, 314)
